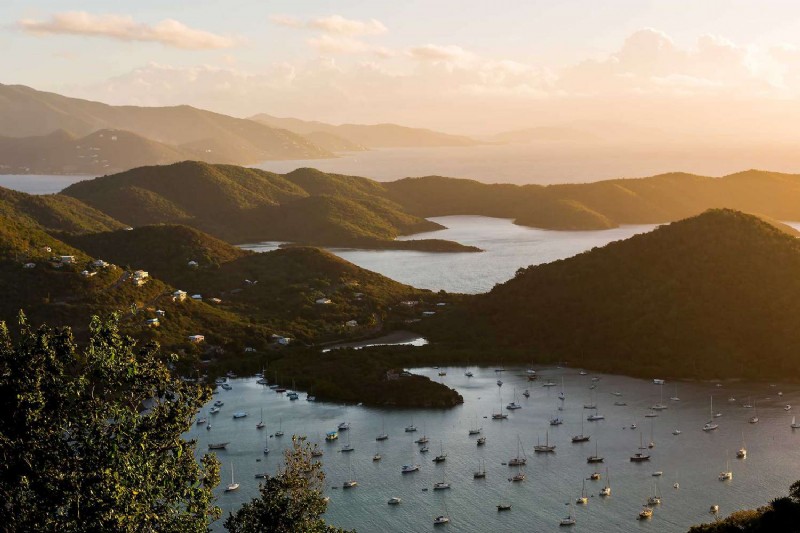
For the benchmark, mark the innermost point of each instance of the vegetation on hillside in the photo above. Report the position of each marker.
(782, 515)
(78, 453)
(714, 296)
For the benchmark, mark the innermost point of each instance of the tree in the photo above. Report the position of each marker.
(291, 501)
(91, 438)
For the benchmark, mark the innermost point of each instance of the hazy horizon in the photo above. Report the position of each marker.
(727, 69)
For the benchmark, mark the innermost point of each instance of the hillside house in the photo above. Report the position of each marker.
(193, 264)
(161, 312)
(140, 277)
(196, 338)
(283, 341)
(428, 313)
(215, 300)
(351, 324)
(197, 297)
(47, 249)
(88, 274)
(99, 264)
(67, 259)
(323, 301)
(29, 265)
(152, 322)
(178, 296)
(249, 349)
(409, 303)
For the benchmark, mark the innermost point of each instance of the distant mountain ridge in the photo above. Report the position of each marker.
(26, 112)
(369, 135)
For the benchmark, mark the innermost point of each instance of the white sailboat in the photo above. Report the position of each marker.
(514, 405)
(795, 425)
(742, 453)
(261, 423)
(583, 499)
(350, 482)
(475, 429)
(596, 458)
(480, 473)
(441, 485)
(279, 433)
(581, 437)
(568, 520)
(383, 435)
(754, 418)
(606, 490)
(710, 425)
(675, 398)
(655, 499)
(233, 485)
(726, 475)
(500, 415)
(518, 460)
(660, 405)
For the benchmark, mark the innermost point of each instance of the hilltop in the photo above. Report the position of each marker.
(603, 204)
(240, 205)
(26, 112)
(103, 151)
(369, 135)
(712, 296)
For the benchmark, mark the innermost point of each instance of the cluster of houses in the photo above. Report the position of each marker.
(140, 277)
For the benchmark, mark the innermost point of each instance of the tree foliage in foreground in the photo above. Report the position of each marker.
(782, 515)
(291, 501)
(90, 438)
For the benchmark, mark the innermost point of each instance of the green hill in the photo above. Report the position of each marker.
(248, 205)
(54, 212)
(603, 204)
(713, 296)
(26, 112)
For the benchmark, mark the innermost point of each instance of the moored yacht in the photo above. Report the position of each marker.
(407, 469)
(546, 447)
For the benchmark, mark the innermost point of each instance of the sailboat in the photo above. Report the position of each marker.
(606, 491)
(519, 476)
(261, 423)
(350, 482)
(652, 443)
(441, 485)
(475, 429)
(568, 520)
(660, 405)
(710, 425)
(442, 518)
(233, 485)
(795, 425)
(266, 444)
(561, 395)
(480, 473)
(442, 457)
(411, 428)
(424, 438)
(639, 457)
(347, 447)
(646, 513)
(584, 499)
(500, 415)
(514, 405)
(581, 437)
(383, 435)
(377, 456)
(655, 499)
(546, 448)
(754, 418)
(517, 461)
(742, 453)
(595, 416)
(675, 398)
(279, 433)
(726, 475)
(596, 458)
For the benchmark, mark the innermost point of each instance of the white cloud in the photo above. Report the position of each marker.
(438, 53)
(335, 24)
(328, 44)
(168, 32)
(342, 26)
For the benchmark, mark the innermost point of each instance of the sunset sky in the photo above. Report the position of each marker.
(719, 67)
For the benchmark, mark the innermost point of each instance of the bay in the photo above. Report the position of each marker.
(694, 458)
(506, 246)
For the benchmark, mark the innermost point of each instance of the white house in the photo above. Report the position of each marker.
(99, 264)
(283, 341)
(324, 301)
(140, 277)
(178, 296)
(409, 303)
(249, 349)
(67, 259)
(351, 324)
(197, 297)
(47, 249)
(152, 322)
(29, 265)
(161, 312)
(428, 313)
(193, 264)
(87, 274)
(215, 300)
(196, 338)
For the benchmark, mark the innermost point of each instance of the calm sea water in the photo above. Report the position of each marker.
(38, 184)
(507, 248)
(552, 162)
(694, 458)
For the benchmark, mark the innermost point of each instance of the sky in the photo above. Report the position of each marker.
(727, 68)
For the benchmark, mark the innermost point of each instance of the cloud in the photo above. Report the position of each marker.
(328, 44)
(334, 24)
(168, 32)
(437, 53)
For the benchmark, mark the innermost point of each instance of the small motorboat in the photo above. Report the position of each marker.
(407, 469)
(394, 500)
(240, 414)
(439, 520)
(503, 506)
(217, 445)
(714, 509)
